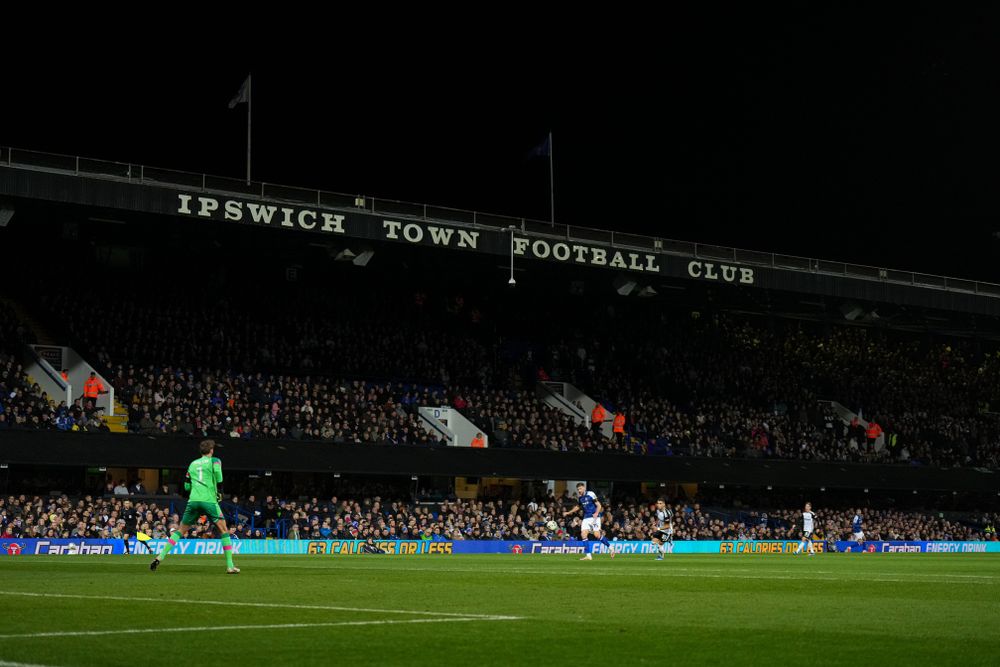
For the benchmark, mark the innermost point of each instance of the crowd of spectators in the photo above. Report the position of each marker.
(23, 405)
(214, 404)
(118, 514)
(516, 418)
(326, 365)
(723, 385)
(394, 335)
(208, 402)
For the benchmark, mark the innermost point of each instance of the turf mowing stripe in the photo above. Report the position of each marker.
(271, 626)
(661, 570)
(664, 571)
(669, 572)
(278, 605)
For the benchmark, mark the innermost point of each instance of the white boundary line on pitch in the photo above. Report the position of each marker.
(273, 605)
(269, 626)
(4, 663)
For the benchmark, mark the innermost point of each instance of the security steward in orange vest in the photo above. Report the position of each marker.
(873, 432)
(597, 417)
(618, 426)
(92, 388)
(479, 442)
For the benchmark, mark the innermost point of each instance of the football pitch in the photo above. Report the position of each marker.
(501, 610)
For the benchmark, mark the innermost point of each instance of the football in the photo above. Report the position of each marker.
(552, 526)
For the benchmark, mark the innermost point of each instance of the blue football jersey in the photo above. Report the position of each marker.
(588, 503)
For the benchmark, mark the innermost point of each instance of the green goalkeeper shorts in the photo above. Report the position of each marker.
(196, 509)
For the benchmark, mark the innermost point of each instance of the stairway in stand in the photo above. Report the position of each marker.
(119, 422)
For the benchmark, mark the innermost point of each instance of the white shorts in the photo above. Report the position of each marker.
(859, 537)
(591, 525)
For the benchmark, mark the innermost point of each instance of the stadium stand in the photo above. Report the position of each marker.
(23, 404)
(716, 386)
(360, 518)
(227, 353)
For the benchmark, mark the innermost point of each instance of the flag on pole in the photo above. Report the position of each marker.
(543, 149)
(243, 96)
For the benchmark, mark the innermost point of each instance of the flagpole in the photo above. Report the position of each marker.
(249, 114)
(512, 282)
(552, 185)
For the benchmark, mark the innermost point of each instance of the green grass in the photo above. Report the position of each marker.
(859, 609)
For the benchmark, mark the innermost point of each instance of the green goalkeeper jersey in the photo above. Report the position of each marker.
(203, 477)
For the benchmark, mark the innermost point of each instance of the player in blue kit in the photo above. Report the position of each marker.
(592, 511)
(857, 530)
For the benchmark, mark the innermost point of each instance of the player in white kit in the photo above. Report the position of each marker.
(808, 519)
(663, 533)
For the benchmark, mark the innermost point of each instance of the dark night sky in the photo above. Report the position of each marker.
(845, 137)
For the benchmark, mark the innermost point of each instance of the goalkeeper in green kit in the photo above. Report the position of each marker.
(204, 482)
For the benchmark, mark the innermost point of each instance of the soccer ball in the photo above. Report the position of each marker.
(552, 526)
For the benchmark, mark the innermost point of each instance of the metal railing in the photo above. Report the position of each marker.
(136, 173)
(53, 374)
